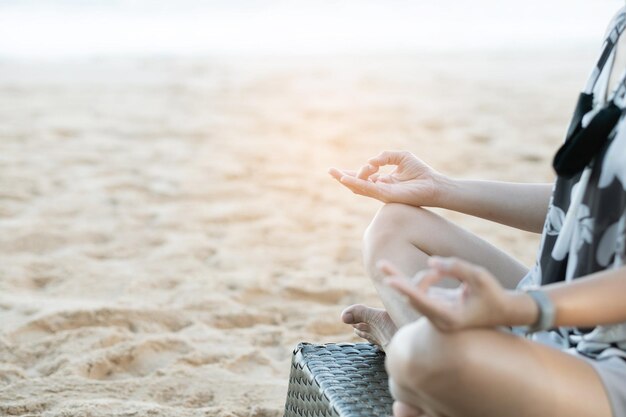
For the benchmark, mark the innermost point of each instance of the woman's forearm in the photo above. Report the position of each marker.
(523, 206)
(586, 302)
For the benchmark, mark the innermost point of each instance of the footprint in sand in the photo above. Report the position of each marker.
(10, 374)
(34, 243)
(323, 296)
(183, 395)
(328, 327)
(249, 363)
(197, 359)
(134, 361)
(243, 320)
(135, 321)
(269, 336)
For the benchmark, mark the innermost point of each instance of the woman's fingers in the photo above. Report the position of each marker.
(366, 171)
(335, 173)
(387, 179)
(338, 173)
(418, 277)
(424, 281)
(388, 158)
(429, 278)
(428, 275)
(456, 268)
(450, 309)
(356, 185)
(429, 307)
(359, 186)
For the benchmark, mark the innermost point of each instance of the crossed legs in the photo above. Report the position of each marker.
(483, 373)
(407, 236)
(467, 373)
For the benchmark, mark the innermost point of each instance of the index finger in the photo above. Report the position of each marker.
(417, 296)
(363, 187)
(387, 158)
(420, 300)
(365, 171)
(338, 173)
(456, 268)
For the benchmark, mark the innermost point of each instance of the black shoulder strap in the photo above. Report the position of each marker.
(618, 28)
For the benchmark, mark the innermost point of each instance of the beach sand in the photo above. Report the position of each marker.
(168, 229)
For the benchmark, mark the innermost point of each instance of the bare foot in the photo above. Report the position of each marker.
(372, 324)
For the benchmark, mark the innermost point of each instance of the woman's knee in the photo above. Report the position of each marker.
(392, 222)
(389, 217)
(424, 359)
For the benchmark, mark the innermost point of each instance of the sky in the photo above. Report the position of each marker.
(191, 27)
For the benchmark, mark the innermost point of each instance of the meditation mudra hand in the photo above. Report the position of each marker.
(480, 300)
(411, 182)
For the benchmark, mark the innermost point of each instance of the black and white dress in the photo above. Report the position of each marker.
(585, 232)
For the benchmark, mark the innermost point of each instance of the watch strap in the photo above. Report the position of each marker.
(547, 312)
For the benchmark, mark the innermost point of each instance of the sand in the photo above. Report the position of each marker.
(168, 231)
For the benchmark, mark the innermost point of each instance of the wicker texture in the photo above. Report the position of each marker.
(338, 380)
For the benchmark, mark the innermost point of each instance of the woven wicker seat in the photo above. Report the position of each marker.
(338, 380)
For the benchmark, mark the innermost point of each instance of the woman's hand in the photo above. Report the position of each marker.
(480, 301)
(411, 182)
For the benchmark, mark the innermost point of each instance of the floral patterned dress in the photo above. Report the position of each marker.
(585, 228)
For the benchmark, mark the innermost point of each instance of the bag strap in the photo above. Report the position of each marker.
(607, 49)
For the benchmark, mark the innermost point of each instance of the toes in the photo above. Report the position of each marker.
(354, 314)
(363, 335)
(364, 327)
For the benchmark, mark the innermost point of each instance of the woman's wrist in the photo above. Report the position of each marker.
(520, 309)
(444, 189)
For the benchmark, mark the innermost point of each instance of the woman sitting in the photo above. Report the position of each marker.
(507, 341)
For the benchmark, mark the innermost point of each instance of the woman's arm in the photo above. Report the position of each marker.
(415, 183)
(585, 302)
(523, 206)
(481, 301)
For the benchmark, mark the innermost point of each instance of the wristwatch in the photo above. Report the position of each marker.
(547, 312)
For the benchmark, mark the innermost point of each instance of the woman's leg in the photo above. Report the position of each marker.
(407, 236)
(489, 373)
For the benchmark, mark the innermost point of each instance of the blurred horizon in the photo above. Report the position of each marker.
(36, 28)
